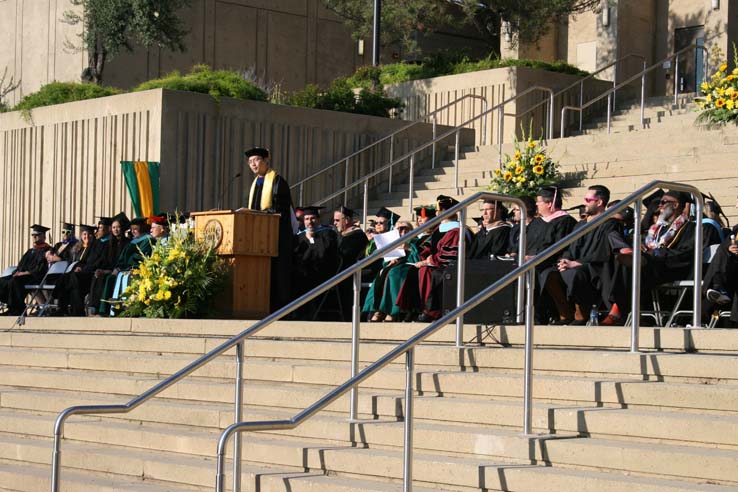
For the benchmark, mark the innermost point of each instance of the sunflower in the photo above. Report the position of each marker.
(730, 104)
(519, 170)
(517, 156)
(498, 172)
(734, 95)
(539, 158)
(723, 67)
(508, 176)
(538, 169)
(720, 102)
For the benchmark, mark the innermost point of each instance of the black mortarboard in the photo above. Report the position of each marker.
(653, 197)
(312, 210)
(140, 221)
(161, 219)
(426, 211)
(444, 202)
(106, 221)
(122, 219)
(87, 228)
(260, 151)
(548, 192)
(67, 226)
(346, 211)
(682, 196)
(39, 229)
(388, 214)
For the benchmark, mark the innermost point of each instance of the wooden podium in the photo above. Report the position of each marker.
(247, 240)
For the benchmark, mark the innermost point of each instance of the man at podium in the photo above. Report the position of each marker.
(271, 193)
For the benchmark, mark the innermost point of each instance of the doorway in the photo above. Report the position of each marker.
(691, 62)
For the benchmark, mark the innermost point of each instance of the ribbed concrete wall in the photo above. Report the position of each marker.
(62, 163)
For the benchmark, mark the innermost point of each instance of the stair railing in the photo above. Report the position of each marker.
(300, 185)
(581, 82)
(526, 270)
(238, 340)
(609, 94)
(410, 155)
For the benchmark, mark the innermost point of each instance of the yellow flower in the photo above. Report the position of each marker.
(532, 144)
(517, 156)
(723, 67)
(538, 169)
(512, 165)
(519, 169)
(167, 295)
(734, 95)
(508, 176)
(539, 158)
(730, 77)
(730, 104)
(705, 87)
(498, 172)
(521, 179)
(721, 91)
(708, 98)
(720, 102)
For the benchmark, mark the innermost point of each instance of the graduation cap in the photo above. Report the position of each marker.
(444, 202)
(38, 229)
(388, 214)
(346, 211)
(140, 221)
(653, 197)
(106, 221)
(67, 227)
(161, 219)
(260, 151)
(312, 210)
(425, 211)
(122, 219)
(682, 196)
(89, 229)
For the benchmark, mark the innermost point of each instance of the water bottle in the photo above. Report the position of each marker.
(594, 316)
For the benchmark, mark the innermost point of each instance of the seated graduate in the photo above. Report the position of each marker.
(73, 286)
(422, 290)
(103, 228)
(160, 228)
(380, 300)
(130, 256)
(62, 251)
(584, 272)
(352, 242)
(384, 222)
(270, 192)
(721, 278)
(515, 215)
(315, 255)
(31, 268)
(494, 232)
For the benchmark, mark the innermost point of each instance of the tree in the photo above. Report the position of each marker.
(6, 88)
(111, 26)
(401, 19)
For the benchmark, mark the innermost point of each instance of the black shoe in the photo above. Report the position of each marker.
(426, 318)
(718, 296)
(560, 322)
(578, 322)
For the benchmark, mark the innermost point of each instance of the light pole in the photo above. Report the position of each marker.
(375, 34)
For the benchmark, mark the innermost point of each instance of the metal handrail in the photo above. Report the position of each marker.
(238, 340)
(528, 268)
(581, 82)
(390, 137)
(642, 75)
(411, 154)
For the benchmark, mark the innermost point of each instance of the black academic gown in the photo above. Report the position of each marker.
(490, 242)
(64, 250)
(72, 287)
(351, 248)
(13, 290)
(722, 274)
(314, 262)
(281, 264)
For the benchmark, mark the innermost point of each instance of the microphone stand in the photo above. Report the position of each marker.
(226, 188)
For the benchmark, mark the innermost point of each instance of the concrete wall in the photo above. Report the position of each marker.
(422, 97)
(62, 163)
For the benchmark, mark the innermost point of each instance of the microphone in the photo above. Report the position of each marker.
(226, 188)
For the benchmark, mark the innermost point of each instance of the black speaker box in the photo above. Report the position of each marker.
(480, 274)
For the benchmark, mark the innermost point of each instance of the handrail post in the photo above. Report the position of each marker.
(391, 159)
(433, 148)
(301, 196)
(412, 183)
(238, 418)
(676, 78)
(581, 111)
(56, 460)
(527, 382)
(614, 83)
(484, 121)
(609, 111)
(522, 249)
(355, 341)
(366, 203)
(635, 308)
(500, 117)
(407, 472)
(461, 276)
(551, 118)
(563, 118)
(346, 180)
(456, 161)
(643, 96)
(698, 259)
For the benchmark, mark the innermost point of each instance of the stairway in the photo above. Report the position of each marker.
(671, 147)
(606, 419)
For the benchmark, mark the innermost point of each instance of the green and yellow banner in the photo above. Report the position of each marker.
(142, 180)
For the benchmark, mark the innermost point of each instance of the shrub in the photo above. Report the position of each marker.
(341, 97)
(202, 79)
(63, 92)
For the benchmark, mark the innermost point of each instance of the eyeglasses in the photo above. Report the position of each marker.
(381, 222)
(590, 200)
(66, 231)
(665, 202)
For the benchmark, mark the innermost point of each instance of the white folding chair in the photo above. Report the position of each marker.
(41, 299)
(9, 271)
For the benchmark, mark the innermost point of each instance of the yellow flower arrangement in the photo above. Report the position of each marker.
(718, 103)
(525, 171)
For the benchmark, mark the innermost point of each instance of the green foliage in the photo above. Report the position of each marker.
(63, 92)
(447, 64)
(526, 171)
(202, 79)
(6, 87)
(179, 279)
(340, 96)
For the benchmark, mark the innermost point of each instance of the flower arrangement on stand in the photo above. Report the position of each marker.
(718, 104)
(179, 279)
(526, 171)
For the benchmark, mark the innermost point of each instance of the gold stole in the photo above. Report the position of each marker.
(266, 191)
